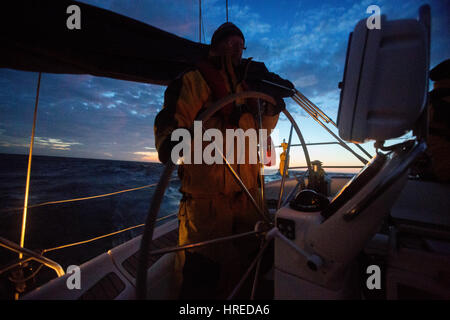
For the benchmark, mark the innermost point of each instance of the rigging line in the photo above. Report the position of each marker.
(203, 30)
(341, 142)
(205, 243)
(200, 20)
(315, 108)
(84, 198)
(309, 108)
(202, 23)
(105, 235)
(318, 112)
(27, 186)
(309, 144)
(227, 8)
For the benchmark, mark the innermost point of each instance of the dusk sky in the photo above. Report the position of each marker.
(303, 41)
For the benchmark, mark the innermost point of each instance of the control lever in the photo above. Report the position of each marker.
(314, 262)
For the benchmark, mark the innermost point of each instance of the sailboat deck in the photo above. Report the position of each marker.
(110, 285)
(169, 239)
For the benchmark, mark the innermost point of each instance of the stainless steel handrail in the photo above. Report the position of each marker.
(319, 113)
(316, 118)
(315, 112)
(5, 243)
(300, 136)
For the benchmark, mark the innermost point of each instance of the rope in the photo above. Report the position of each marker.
(84, 198)
(104, 236)
(92, 197)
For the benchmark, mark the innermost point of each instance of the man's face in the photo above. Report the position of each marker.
(233, 46)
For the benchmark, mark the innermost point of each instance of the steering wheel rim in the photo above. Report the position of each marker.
(147, 235)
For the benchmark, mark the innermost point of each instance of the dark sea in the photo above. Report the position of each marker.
(58, 178)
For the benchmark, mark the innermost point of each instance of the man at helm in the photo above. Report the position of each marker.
(214, 204)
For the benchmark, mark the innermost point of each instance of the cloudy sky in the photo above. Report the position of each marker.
(304, 41)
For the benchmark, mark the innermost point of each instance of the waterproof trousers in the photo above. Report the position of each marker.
(212, 271)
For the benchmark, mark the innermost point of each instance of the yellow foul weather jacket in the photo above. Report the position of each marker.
(185, 98)
(213, 204)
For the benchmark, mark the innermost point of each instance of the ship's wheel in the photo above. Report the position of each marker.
(147, 236)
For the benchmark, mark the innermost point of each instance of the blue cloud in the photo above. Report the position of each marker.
(303, 41)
